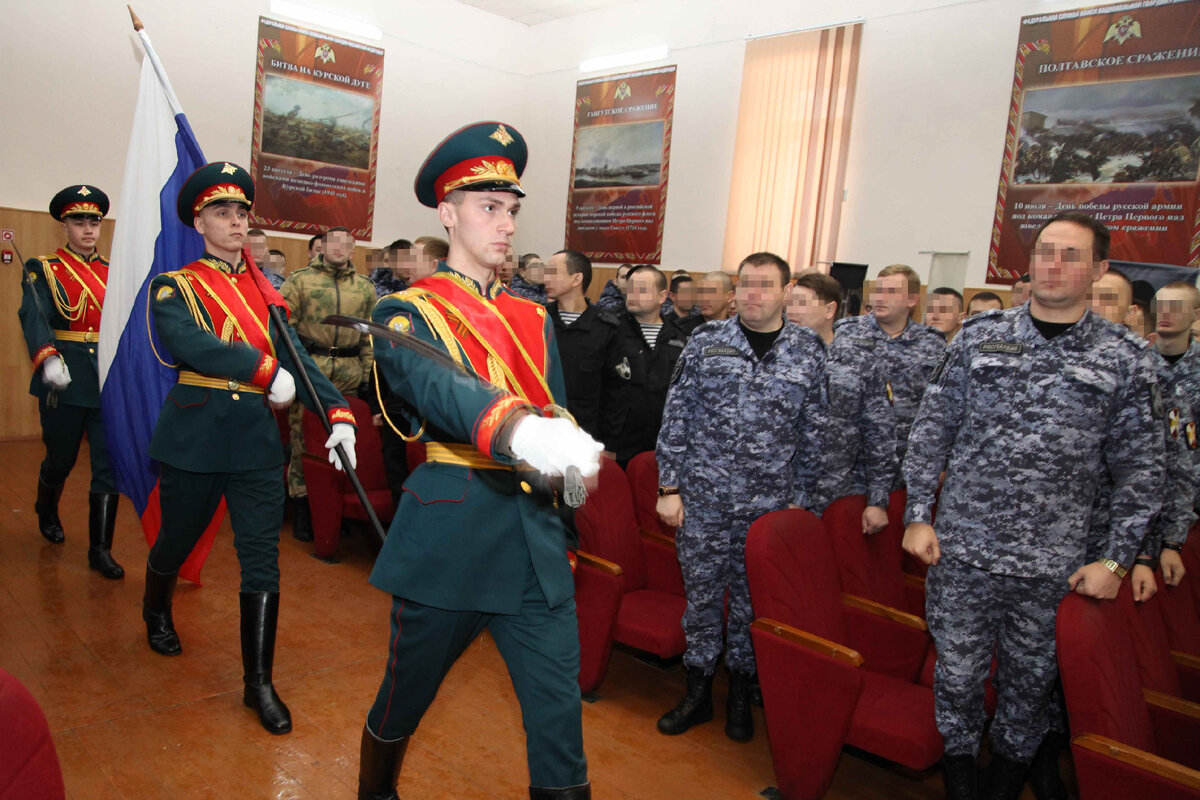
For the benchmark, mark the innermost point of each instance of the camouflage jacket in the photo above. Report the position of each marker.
(1025, 429)
(1187, 378)
(860, 440)
(741, 435)
(530, 291)
(611, 298)
(905, 362)
(314, 293)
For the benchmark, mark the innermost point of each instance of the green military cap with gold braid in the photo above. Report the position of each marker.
(218, 182)
(79, 201)
(482, 157)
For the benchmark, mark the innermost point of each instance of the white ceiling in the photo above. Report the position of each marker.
(534, 12)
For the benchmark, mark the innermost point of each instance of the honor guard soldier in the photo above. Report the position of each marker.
(906, 351)
(1014, 514)
(217, 436)
(63, 297)
(477, 541)
(740, 438)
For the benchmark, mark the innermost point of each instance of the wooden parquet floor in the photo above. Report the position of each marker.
(131, 724)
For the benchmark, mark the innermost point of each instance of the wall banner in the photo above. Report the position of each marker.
(316, 131)
(1104, 119)
(619, 165)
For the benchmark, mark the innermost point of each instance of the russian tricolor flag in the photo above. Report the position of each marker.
(149, 239)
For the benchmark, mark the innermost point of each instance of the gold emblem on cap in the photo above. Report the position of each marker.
(83, 191)
(228, 169)
(502, 136)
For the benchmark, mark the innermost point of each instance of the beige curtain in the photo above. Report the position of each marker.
(789, 161)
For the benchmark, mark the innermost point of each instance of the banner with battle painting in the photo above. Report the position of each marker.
(619, 166)
(316, 131)
(1104, 119)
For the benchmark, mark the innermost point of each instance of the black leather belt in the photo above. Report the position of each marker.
(334, 352)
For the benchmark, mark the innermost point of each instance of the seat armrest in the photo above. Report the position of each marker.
(1188, 660)
(1176, 724)
(887, 612)
(660, 538)
(589, 560)
(1120, 763)
(810, 641)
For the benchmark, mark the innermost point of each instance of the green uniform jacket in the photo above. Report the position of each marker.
(80, 357)
(315, 292)
(463, 538)
(218, 430)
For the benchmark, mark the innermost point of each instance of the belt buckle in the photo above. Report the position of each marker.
(234, 385)
(89, 336)
(333, 352)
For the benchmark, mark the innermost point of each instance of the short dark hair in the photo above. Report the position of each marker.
(325, 235)
(256, 232)
(947, 291)
(438, 248)
(578, 264)
(623, 266)
(1025, 278)
(400, 244)
(525, 259)
(314, 240)
(764, 259)
(276, 252)
(986, 296)
(660, 280)
(1121, 275)
(825, 287)
(679, 280)
(1100, 235)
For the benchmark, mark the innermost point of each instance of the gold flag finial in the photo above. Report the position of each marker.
(137, 23)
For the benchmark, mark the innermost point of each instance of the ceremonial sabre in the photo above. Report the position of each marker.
(574, 492)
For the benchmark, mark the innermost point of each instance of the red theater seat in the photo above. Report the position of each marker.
(835, 669)
(1161, 669)
(1127, 739)
(642, 472)
(330, 495)
(28, 762)
(651, 607)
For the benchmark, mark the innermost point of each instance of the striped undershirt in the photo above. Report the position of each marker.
(650, 332)
(569, 317)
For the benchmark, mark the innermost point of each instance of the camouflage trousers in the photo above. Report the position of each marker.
(971, 614)
(712, 555)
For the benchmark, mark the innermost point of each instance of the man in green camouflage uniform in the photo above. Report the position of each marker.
(328, 285)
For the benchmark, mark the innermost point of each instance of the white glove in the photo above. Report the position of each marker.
(551, 446)
(343, 434)
(55, 373)
(283, 388)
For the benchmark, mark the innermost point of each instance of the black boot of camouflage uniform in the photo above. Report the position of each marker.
(102, 519)
(1044, 775)
(696, 706)
(961, 776)
(1006, 779)
(580, 792)
(739, 722)
(46, 507)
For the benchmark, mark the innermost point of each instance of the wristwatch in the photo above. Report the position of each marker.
(1176, 546)
(1114, 567)
(663, 491)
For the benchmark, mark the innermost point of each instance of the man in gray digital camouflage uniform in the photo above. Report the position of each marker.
(740, 438)
(1014, 514)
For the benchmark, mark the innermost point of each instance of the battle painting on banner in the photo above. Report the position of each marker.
(316, 131)
(1104, 119)
(619, 165)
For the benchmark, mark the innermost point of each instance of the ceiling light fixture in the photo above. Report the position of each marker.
(656, 53)
(326, 20)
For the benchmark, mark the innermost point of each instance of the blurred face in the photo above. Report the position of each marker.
(421, 263)
(277, 262)
(623, 278)
(508, 268)
(1020, 293)
(979, 306)
(712, 298)
(481, 228)
(535, 272)
(805, 308)
(684, 298)
(559, 282)
(1173, 311)
(944, 313)
(1063, 267)
(891, 301)
(339, 247)
(82, 233)
(760, 296)
(257, 245)
(643, 295)
(224, 226)
(1111, 298)
(317, 248)
(1135, 320)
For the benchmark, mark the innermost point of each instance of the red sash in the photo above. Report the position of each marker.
(235, 298)
(508, 328)
(82, 281)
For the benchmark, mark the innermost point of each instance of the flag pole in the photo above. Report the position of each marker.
(154, 62)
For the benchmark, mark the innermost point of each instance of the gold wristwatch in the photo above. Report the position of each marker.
(1114, 567)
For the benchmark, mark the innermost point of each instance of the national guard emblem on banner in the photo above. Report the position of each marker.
(623, 91)
(325, 53)
(1124, 29)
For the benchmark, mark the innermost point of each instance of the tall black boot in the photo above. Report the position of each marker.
(46, 507)
(1006, 779)
(581, 792)
(102, 518)
(301, 519)
(156, 611)
(962, 777)
(739, 723)
(1044, 774)
(696, 706)
(379, 766)
(260, 615)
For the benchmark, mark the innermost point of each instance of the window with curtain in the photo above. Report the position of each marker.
(793, 130)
